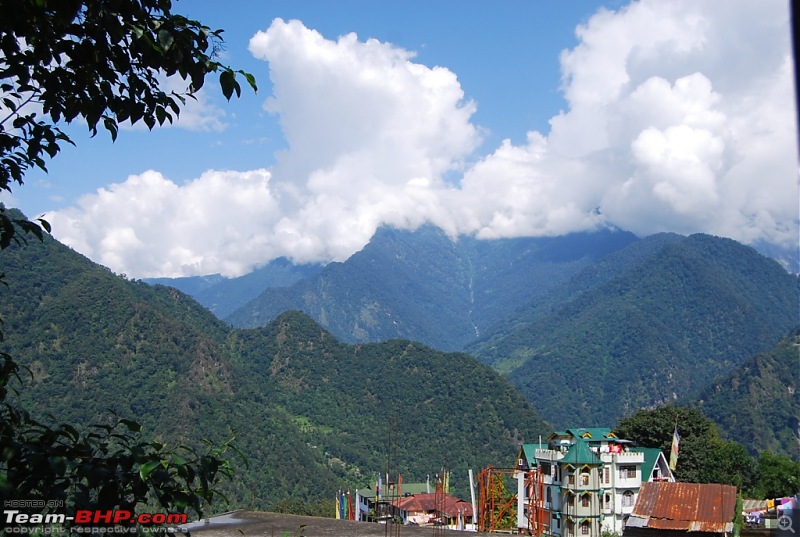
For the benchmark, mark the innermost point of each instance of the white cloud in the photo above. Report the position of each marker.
(660, 135)
(150, 226)
(680, 118)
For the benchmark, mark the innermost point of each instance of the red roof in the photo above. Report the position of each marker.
(425, 503)
(686, 506)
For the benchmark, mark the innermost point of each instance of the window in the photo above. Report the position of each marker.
(585, 527)
(585, 500)
(547, 468)
(627, 472)
(571, 479)
(627, 499)
(549, 495)
(585, 477)
(570, 500)
(606, 476)
(570, 528)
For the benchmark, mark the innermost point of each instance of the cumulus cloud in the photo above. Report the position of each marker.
(680, 117)
(150, 226)
(659, 134)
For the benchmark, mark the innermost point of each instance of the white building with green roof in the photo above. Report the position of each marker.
(583, 482)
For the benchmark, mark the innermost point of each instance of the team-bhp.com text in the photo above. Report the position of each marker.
(92, 521)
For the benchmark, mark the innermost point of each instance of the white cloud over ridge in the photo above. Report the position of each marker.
(681, 117)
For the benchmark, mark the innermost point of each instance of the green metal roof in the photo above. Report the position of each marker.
(580, 454)
(529, 452)
(650, 459)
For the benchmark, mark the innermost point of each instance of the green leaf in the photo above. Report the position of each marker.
(165, 39)
(131, 425)
(147, 468)
(227, 81)
(250, 80)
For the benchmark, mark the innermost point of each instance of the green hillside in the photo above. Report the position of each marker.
(426, 287)
(309, 412)
(758, 404)
(652, 331)
(448, 408)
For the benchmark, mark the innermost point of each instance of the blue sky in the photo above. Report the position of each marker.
(496, 119)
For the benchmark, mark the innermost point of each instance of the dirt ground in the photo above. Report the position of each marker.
(258, 524)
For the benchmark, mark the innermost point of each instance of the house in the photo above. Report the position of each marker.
(428, 509)
(372, 504)
(670, 509)
(582, 482)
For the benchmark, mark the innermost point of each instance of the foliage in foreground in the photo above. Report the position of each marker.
(106, 467)
(102, 62)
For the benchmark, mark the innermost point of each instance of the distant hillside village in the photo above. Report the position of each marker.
(580, 482)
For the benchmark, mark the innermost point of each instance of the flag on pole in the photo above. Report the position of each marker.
(338, 506)
(351, 513)
(673, 453)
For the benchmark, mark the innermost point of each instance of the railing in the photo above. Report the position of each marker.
(625, 457)
(548, 454)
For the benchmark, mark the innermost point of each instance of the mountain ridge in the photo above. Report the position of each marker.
(97, 343)
(758, 404)
(425, 286)
(657, 318)
(656, 332)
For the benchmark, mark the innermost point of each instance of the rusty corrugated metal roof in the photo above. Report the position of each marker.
(687, 506)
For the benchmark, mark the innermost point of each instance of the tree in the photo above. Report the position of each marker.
(654, 428)
(103, 62)
(729, 463)
(777, 476)
(703, 456)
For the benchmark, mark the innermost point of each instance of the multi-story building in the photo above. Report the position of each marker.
(583, 482)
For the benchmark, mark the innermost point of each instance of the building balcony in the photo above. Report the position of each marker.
(548, 455)
(626, 457)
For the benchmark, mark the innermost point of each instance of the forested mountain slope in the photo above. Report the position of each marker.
(346, 399)
(758, 404)
(426, 287)
(309, 412)
(223, 296)
(652, 331)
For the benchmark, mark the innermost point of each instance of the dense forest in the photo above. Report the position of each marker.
(589, 326)
(311, 414)
(758, 403)
(428, 287)
(645, 332)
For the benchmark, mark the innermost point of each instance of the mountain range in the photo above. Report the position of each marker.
(578, 330)
(589, 326)
(428, 287)
(312, 414)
